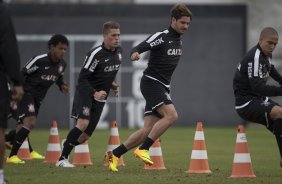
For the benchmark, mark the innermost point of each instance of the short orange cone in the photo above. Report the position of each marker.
(82, 155)
(114, 142)
(242, 165)
(199, 157)
(24, 153)
(53, 152)
(156, 156)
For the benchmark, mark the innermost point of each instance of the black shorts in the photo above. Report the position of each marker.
(257, 111)
(28, 106)
(4, 101)
(155, 94)
(86, 107)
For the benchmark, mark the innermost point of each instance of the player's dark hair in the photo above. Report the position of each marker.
(179, 10)
(268, 31)
(56, 39)
(110, 25)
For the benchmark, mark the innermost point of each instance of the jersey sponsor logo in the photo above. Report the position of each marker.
(49, 77)
(111, 68)
(106, 60)
(157, 42)
(250, 70)
(46, 67)
(31, 108)
(32, 69)
(93, 65)
(175, 52)
(86, 111)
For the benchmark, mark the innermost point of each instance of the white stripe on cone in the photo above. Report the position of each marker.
(114, 132)
(53, 147)
(199, 135)
(24, 145)
(155, 151)
(199, 154)
(111, 147)
(82, 148)
(241, 137)
(242, 158)
(54, 131)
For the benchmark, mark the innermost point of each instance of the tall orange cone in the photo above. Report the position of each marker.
(114, 142)
(242, 165)
(199, 157)
(156, 156)
(82, 155)
(53, 152)
(24, 153)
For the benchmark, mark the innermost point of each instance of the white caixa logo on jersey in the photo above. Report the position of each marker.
(86, 111)
(31, 108)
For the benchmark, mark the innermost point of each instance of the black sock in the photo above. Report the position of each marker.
(147, 144)
(277, 131)
(29, 145)
(19, 139)
(71, 142)
(10, 136)
(120, 150)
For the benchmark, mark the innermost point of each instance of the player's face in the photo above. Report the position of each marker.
(268, 44)
(112, 39)
(181, 25)
(58, 52)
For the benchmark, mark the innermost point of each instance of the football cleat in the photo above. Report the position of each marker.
(36, 155)
(113, 161)
(14, 160)
(144, 156)
(64, 163)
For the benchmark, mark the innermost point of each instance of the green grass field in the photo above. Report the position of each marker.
(176, 146)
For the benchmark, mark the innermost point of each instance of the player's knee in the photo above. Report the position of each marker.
(173, 116)
(29, 122)
(276, 113)
(82, 124)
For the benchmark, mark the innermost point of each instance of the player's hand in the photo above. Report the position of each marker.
(135, 56)
(65, 89)
(17, 93)
(115, 88)
(100, 95)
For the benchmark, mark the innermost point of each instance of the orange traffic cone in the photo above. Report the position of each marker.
(242, 166)
(82, 155)
(53, 152)
(199, 157)
(24, 153)
(114, 142)
(156, 156)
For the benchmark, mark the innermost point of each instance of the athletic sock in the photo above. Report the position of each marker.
(71, 142)
(147, 144)
(29, 145)
(19, 139)
(120, 150)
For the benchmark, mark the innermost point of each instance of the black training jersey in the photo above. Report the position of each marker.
(251, 76)
(40, 73)
(166, 49)
(99, 69)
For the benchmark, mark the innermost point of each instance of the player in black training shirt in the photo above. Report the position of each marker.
(95, 80)
(250, 88)
(39, 74)
(9, 71)
(160, 113)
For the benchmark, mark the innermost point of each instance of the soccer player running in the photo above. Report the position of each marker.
(95, 80)
(39, 74)
(251, 90)
(160, 113)
(9, 72)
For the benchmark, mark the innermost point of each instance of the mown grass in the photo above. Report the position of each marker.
(176, 146)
